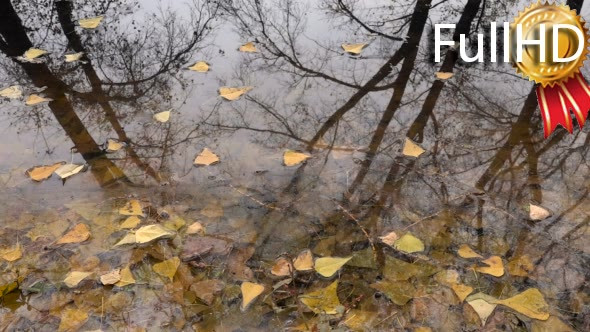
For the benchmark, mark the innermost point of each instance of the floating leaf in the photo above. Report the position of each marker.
(126, 277)
(206, 158)
(529, 303)
(113, 145)
(482, 308)
(465, 251)
(72, 320)
(33, 53)
(233, 93)
(354, 48)
(79, 233)
(249, 47)
(11, 92)
(201, 67)
(495, 266)
(167, 268)
(399, 292)
(282, 267)
(462, 291)
(152, 232)
(162, 116)
(132, 208)
(73, 278)
(304, 261)
(328, 266)
(12, 254)
(323, 301)
(443, 75)
(195, 228)
(91, 22)
(537, 213)
(111, 278)
(409, 243)
(412, 149)
(131, 222)
(293, 158)
(74, 57)
(36, 99)
(389, 238)
(129, 238)
(520, 266)
(40, 173)
(250, 291)
(67, 170)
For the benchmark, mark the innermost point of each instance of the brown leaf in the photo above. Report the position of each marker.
(462, 291)
(206, 158)
(495, 266)
(389, 238)
(199, 246)
(12, 254)
(111, 278)
(282, 267)
(40, 173)
(304, 261)
(79, 233)
(206, 290)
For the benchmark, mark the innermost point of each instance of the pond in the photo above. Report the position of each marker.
(255, 165)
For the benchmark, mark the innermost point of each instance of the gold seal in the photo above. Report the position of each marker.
(548, 73)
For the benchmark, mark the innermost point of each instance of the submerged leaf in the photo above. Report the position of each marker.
(328, 266)
(520, 266)
(72, 320)
(200, 67)
(293, 158)
(91, 22)
(152, 232)
(195, 228)
(67, 170)
(167, 268)
(132, 208)
(162, 116)
(79, 233)
(250, 291)
(323, 301)
(233, 93)
(11, 92)
(206, 158)
(36, 99)
(409, 243)
(249, 47)
(73, 278)
(304, 261)
(399, 292)
(495, 266)
(126, 277)
(40, 173)
(412, 149)
(354, 48)
(465, 251)
(131, 222)
(12, 254)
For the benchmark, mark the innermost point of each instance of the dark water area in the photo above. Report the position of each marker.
(139, 238)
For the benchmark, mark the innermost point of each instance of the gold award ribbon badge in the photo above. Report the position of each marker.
(549, 44)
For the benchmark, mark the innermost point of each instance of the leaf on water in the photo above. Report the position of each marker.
(250, 291)
(130, 223)
(195, 228)
(111, 278)
(412, 149)
(282, 267)
(40, 173)
(162, 116)
(67, 170)
(520, 266)
(293, 158)
(74, 57)
(482, 308)
(129, 238)
(132, 208)
(465, 251)
(167, 268)
(126, 277)
(79, 233)
(399, 292)
(36, 99)
(11, 92)
(538, 213)
(328, 266)
(409, 243)
(389, 238)
(249, 47)
(324, 300)
(495, 266)
(304, 261)
(152, 232)
(12, 254)
(200, 67)
(354, 48)
(33, 53)
(91, 22)
(233, 93)
(73, 278)
(443, 75)
(529, 303)
(206, 158)
(72, 320)
(114, 145)
(461, 291)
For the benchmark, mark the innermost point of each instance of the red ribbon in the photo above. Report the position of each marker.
(557, 101)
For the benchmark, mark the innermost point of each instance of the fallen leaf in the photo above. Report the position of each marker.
(167, 268)
(538, 213)
(282, 267)
(40, 173)
(293, 158)
(113, 145)
(495, 266)
(11, 92)
(354, 48)
(389, 238)
(233, 93)
(206, 290)
(199, 246)
(553, 324)
(73, 278)
(529, 303)
(328, 266)
(360, 320)
(249, 47)
(447, 277)
(72, 320)
(409, 243)
(201, 67)
(74, 57)
(250, 291)
(111, 278)
(398, 270)
(195, 228)
(91, 22)
(130, 222)
(443, 75)
(206, 158)
(213, 210)
(67, 170)
(520, 266)
(162, 116)
(33, 53)
(126, 277)
(465, 251)
(412, 149)
(462, 291)
(129, 238)
(12, 254)
(324, 300)
(36, 99)
(399, 292)
(304, 261)
(152, 232)
(131, 208)
(483, 309)
(77, 234)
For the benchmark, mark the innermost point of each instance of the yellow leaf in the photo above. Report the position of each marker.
(462, 291)
(553, 324)
(73, 278)
(529, 303)
(111, 278)
(282, 267)
(132, 208)
(74, 57)
(249, 47)
(233, 93)
(195, 228)
(250, 291)
(40, 173)
(399, 292)
(130, 222)
(113, 145)
(129, 238)
(79, 233)
(12, 254)
(11, 92)
(465, 251)
(126, 277)
(409, 243)
(304, 261)
(213, 210)
(520, 266)
(443, 75)
(162, 116)
(389, 238)
(293, 158)
(412, 149)
(323, 301)
(67, 170)
(36, 99)
(33, 53)
(354, 48)
(328, 266)
(201, 67)
(495, 266)
(91, 22)
(152, 232)
(447, 277)
(206, 158)
(360, 320)
(168, 267)
(537, 213)
(483, 309)
(72, 320)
